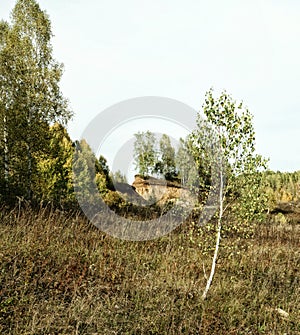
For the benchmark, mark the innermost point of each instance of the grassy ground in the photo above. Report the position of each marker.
(60, 275)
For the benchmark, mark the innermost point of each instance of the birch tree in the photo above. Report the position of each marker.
(32, 79)
(166, 164)
(145, 153)
(4, 106)
(240, 191)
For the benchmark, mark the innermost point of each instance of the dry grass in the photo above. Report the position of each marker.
(60, 275)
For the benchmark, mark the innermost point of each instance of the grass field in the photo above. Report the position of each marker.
(61, 275)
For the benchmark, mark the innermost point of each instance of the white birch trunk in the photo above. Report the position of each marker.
(6, 152)
(218, 236)
(218, 239)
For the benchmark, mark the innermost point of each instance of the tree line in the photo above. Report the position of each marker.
(37, 153)
(151, 157)
(36, 150)
(30, 98)
(283, 186)
(38, 157)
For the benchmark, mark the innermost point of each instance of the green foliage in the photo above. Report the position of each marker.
(92, 176)
(30, 98)
(166, 161)
(84, 172)
(187, 167)
(181, 161)
(145, 155)
(114, 200)
(282, 186)
(234, 134)
(154, 158)
(53, 181)
(224, 146)
(101, 183)
(119, 177)
(103, 178)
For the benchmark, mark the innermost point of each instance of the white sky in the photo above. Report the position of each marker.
(116, 50)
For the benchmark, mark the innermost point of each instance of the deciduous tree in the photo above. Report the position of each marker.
(53, 181)
(31, 99)
(240, 187)
(145, 153)
(166, 164)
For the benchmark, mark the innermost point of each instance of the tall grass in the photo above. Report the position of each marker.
(61, 275)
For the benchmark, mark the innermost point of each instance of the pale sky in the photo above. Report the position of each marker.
(117, 50)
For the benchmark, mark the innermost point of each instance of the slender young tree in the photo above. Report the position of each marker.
(145, 154)
(166, 164)
(240, 188)
(4, 101)
(181, 161)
